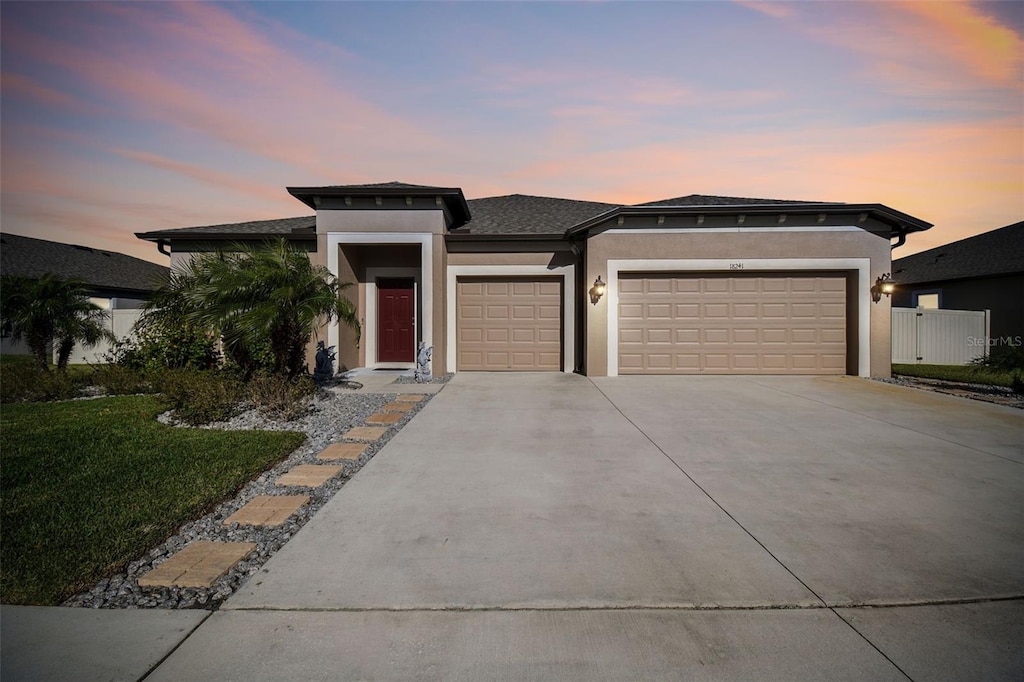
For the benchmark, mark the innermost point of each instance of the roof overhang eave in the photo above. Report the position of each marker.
(901, 223)
(224, 236)
(453, 196)
(504, 237)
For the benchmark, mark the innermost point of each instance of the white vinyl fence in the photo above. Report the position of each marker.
(120, 322)
(938, 337)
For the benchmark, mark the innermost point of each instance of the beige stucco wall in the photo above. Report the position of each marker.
(539, 258)
(737, 247)
(357, 220)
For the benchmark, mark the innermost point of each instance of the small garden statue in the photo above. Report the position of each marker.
(324, 362)
(423, 363)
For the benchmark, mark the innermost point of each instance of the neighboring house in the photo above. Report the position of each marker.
(114, 281)
(984, 272)
(691, 285)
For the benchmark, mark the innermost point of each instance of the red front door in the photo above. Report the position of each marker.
(396, 335)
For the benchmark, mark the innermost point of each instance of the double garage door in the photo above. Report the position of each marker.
(509, 324)
(671, 323)
(785, 323)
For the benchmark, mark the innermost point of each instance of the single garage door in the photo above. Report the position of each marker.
(509, 324)
(778, 323)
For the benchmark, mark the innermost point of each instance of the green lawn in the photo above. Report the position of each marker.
(964, 373)
(87, 486)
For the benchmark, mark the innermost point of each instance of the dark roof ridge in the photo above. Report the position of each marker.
(542, 196)
(694, 200)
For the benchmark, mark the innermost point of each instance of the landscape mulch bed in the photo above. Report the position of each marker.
(989, 394)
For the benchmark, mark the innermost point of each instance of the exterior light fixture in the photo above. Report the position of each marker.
(597, 291)
(883, 285)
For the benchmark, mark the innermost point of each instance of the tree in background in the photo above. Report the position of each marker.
(268, 297)
(48, 312)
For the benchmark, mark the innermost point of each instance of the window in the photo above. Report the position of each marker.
(930, 301)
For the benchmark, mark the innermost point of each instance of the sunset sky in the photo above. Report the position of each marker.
(128, 117)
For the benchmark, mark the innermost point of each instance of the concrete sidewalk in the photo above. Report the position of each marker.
(553, 527)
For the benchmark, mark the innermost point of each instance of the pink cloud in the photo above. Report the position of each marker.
(776, 10)
(210, 177)
(965, 34)
(14, 84)
(233, 84)
(919, 47)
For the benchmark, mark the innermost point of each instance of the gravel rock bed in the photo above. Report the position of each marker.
(983, 392)
(333, 412)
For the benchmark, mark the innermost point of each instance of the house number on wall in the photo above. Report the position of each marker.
(735, 266)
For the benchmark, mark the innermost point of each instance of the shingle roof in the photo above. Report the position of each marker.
(513, 214)
(999, 252)
(524, 214)
(30, 257)
(393, 184)
(280, 227)
(711, 200)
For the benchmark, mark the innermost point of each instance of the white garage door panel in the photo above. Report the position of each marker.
(509, 324)
(785, 323)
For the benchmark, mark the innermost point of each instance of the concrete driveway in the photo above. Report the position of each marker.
(557, 527)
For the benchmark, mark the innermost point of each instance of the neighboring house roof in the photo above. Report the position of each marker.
(528, 215)
(303, 226)
(30, 257)
(999, 252)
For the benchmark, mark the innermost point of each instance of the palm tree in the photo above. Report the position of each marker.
(270, 294)
(49, 310)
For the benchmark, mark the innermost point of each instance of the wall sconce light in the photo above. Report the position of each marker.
(597, 291)
(883, 285)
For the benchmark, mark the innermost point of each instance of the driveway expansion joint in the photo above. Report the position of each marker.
(530, 609)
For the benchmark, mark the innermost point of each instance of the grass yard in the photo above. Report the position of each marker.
(87, 486)
(967, 374)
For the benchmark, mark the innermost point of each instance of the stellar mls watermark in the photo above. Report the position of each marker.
(995, 341)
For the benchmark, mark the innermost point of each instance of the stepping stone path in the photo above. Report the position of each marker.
(365, 433)
(342, 451)
(309, 475)
(267, 510)
(198, 565)
(204, 561)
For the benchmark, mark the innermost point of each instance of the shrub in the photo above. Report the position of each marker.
(30, 384)
(281, 397)
(1003, 358)
(122, 380)
(202, 397)
(162, 340)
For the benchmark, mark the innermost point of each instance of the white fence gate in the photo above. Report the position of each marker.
(938, 337)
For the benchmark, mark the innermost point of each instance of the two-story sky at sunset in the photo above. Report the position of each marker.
(127, 117)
